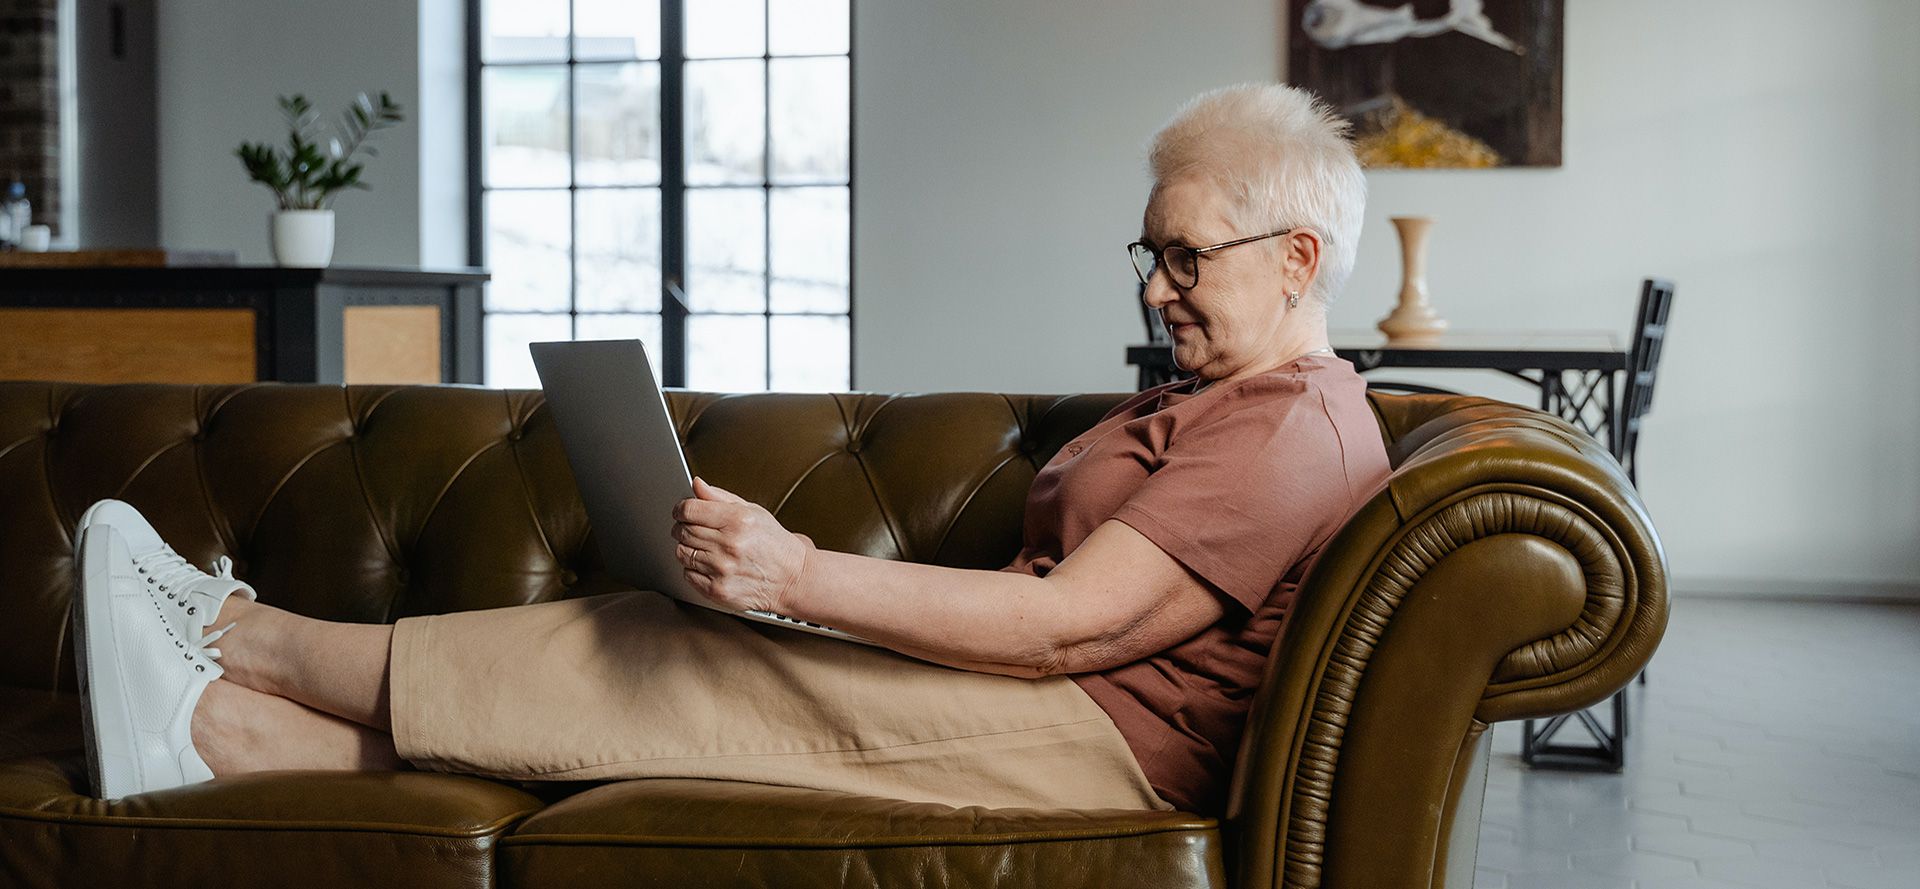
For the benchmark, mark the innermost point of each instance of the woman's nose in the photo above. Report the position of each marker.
(1159, 290)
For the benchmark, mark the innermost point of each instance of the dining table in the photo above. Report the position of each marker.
(1576, 372)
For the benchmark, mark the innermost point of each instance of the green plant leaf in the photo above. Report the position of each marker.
(316, 165)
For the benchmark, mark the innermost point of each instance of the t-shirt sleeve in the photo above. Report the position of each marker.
(1241, 496)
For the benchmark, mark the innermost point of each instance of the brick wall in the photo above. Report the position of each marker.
(30, 103)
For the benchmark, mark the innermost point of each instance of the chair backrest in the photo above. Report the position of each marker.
(1643, 360)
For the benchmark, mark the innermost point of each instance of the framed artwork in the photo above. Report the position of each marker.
(1436, 83)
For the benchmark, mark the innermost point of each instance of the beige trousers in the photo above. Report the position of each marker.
(637, 685)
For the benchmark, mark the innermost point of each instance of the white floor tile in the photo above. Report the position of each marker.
(1775, 744)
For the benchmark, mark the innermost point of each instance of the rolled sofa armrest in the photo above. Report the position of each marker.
(1506, 570)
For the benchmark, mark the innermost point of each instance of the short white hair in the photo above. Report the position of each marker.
(1286, 158)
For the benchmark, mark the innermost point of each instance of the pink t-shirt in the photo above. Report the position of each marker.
(1243, 483)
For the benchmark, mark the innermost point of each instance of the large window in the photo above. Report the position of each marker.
(672, 170)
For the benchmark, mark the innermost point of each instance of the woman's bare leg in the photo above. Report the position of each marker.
(237, 729)
(336, 668)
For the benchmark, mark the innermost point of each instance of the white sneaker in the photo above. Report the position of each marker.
(139, 680)
(193, 597)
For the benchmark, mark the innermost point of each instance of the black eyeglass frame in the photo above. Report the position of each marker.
(1160, 261)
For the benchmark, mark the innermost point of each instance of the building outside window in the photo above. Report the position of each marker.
(673, 171)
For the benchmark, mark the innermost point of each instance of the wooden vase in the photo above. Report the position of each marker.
(1413, 319)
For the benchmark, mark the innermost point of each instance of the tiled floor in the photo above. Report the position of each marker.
(1776, 744)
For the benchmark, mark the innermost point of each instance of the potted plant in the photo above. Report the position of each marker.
(311, 170)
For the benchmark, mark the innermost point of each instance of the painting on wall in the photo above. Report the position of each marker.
(1436, 83)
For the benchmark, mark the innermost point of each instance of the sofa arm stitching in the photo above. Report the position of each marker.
(1422, 545)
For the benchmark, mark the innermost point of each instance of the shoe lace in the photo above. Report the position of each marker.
(166, 567)
(206, 642)
(169, 570)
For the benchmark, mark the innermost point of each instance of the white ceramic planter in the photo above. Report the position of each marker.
(303, 238)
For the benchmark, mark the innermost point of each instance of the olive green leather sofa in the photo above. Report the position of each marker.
(1507, 570)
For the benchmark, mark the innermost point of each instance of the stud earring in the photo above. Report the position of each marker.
(1293, 300)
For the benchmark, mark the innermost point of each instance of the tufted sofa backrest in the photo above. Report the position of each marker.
(371, 503)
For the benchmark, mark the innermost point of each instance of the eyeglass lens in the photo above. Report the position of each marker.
(1142, 261)
(1182, 266)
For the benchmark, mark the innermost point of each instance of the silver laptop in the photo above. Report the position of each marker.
(626, 458)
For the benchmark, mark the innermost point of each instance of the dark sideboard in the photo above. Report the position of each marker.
(230, 323)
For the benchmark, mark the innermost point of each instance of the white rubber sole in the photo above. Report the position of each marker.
(106, 722)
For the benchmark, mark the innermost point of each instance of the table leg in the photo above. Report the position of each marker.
(1569, 399)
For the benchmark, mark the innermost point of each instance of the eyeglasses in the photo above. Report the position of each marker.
(1182, 262)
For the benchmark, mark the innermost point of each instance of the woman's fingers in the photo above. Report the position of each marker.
(698, 535)
(706, 491)
(701, 512)
(712, 513)
(705, 561)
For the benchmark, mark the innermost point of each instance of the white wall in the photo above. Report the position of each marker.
(222, 63)
(1762, 153)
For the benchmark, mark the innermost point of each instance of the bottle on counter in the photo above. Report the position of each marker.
(15, 215)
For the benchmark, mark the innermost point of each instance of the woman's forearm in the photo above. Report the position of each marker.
(987, 621)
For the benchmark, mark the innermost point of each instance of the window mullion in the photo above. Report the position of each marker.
(673, 195)
(766, 185)
(573, 186)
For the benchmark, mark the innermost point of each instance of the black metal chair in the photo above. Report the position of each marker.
(1643, 360)
(1650, 334)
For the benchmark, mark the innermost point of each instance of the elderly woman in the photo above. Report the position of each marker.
(1110, 665)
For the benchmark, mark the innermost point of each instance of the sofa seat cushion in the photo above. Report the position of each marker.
(675, 832)
(263, 829)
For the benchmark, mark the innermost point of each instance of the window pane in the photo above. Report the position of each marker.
(518, 31)
(726, 28)
(509, 364)
(810, 120)
(807, 27)
(619, 249)
(526, 125)
(727, 353)
(618, 124)
(810, 250)
(645, 328)
(726, 250)
(616, 29)
(527, 238)
(810, 354)
(726, 122)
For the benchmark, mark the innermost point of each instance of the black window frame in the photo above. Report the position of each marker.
(673, 186)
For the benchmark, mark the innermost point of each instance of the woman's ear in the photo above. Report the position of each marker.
(1300, 259)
